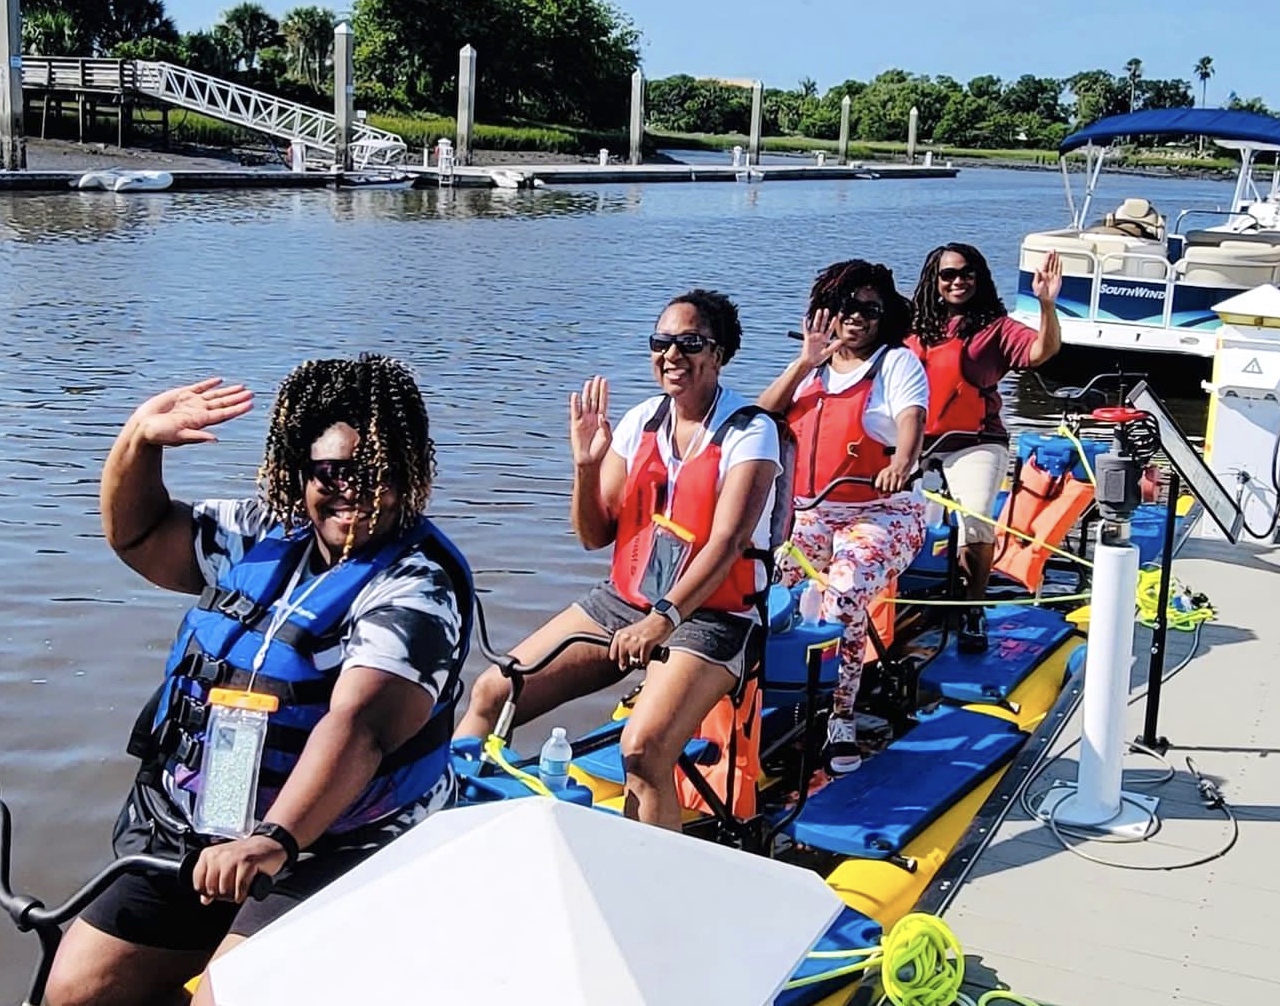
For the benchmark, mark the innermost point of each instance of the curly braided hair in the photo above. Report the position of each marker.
(376, 396)
(930, 310)
(838, 282)
(720, 315)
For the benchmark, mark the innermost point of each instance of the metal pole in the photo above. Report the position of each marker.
(845, 104)
(13, 145)
(637, 115)
(757, 120)
(1159, 635)
(344, 95)
(466, 103)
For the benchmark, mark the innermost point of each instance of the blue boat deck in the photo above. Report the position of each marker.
(1066, 932)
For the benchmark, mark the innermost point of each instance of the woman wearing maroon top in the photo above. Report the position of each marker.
(968, 343)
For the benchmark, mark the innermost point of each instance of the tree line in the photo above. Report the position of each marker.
(569, 62)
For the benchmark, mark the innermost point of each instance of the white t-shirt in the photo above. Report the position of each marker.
(757, 441)
(900, 384)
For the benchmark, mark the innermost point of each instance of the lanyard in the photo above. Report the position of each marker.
(284, 607)
(675, 465)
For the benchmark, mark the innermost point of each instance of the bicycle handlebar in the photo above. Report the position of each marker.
(849, 480)
(1069, 393)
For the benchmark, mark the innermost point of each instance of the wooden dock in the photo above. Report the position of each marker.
(602, 174)
(1063, 931)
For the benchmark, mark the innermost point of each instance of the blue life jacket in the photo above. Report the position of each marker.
(220, 637)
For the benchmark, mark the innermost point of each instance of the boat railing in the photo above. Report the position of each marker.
(1212, 211)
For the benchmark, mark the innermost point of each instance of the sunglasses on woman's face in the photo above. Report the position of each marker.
(870, 310)
(689, 343)
(336, 475)
(951, 275)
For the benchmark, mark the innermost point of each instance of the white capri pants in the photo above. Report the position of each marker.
(974, 475)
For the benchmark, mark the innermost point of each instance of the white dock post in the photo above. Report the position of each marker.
(913, 124)
(444, 160)
(466, 102)
(604, 156)
(737, 155)
(637, 116)
(297, 156)
(845, 104)
(13, 145)
(757, 120)
(821, 158)
(344, 95)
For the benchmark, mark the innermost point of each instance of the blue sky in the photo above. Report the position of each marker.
(781, 41)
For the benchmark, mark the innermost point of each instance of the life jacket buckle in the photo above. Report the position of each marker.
(241, 607)
(188, 750)
(191, 714)
(205, 670)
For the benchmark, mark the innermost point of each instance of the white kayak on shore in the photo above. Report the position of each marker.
(117, 180)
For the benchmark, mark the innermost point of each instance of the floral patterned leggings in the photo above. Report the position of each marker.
(859, 547)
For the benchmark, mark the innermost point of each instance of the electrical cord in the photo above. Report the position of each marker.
(1243, 478)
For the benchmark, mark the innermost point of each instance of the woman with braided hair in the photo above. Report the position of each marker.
(968, 343)
(855, 401)
(329, 601)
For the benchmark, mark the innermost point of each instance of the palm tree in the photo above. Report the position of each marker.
(1204, 70)
(253, 29)
(1134, 69)
(308, 37)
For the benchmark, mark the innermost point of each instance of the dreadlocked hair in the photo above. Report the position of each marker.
(930, 310)
(376, 396)
(720, 314)
(837, 284)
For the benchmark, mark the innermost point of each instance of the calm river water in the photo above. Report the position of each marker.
(504, 302)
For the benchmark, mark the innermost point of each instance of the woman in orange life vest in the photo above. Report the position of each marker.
(856, 402)
(968, 343)
(682, 490)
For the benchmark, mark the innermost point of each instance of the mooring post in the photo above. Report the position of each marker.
(637, 116)
(845, 104)
(757, 119)
(13, 146)
(466, 103)
(344, 95)
(913, 124)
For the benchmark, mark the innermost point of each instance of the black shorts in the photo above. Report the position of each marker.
(163, 912)
(735, 642)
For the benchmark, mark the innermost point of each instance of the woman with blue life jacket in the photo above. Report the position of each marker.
(855, 402)
(306, 709)
(683, 491)
(966, 340)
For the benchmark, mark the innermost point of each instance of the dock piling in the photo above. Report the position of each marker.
(757, 120)
(344, 95)
(846, 103)
(13, 146)
(466, 102)
(637, 116)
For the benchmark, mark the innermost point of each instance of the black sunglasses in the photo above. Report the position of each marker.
(334, 475)
(689, 343)
(949, 275)
(871, 310)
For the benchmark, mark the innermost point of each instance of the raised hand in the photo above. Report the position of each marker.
(184, 415)
(589, 432)
(818, 346)
(1046, 284)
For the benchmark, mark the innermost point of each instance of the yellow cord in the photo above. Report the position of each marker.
(1047, 599)
(1084, 457)
(951, 504)
(1149, 604)
(493, 748)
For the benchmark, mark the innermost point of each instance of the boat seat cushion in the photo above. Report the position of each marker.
(851, 930)
(1022, 637)
(874, 812)
(606, 763)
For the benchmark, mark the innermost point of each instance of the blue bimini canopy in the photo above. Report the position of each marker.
(1215, 123)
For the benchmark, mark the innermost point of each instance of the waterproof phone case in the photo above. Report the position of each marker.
(234, 738)
(670, 546)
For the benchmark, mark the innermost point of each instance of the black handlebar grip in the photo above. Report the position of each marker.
(660, 654)
(260, 886)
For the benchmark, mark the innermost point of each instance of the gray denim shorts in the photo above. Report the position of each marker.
(733, 641)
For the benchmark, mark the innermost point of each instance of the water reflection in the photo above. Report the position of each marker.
(504, 301)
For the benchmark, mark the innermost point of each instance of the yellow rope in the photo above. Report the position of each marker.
(1185, 610)
(1084, 458)
(493, 748)
(951, 504)
(1037, 600)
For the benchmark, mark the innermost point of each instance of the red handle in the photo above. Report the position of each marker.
(1117, 414)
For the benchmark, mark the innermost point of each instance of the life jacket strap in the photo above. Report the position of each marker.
(233, 604)
(214, 673)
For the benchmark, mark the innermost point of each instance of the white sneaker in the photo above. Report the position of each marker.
(842, 755)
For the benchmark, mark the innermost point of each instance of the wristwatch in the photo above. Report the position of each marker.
(668, 611)
(281, 836)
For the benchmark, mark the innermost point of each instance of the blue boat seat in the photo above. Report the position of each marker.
(850, 931)
(876, 811)
(1022, 638)
(606, 763)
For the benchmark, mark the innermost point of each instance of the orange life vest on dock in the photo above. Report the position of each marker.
(955, 405)
(831, 441)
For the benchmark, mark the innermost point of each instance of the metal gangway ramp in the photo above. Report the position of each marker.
(267, 113)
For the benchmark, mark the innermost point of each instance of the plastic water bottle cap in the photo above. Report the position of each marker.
(558, 733)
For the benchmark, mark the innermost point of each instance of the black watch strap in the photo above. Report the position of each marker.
(279, 834)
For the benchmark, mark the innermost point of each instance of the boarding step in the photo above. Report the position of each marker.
(1022, 637)
(874, 812)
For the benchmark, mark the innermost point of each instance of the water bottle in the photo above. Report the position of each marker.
(553, 763)
(810, 603)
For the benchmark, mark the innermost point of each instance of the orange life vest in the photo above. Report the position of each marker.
(691, 500)
(831, 441)
(1045, 507)
(954, 403)
(734, 727)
